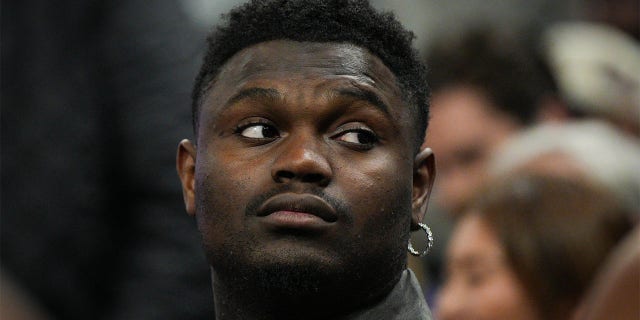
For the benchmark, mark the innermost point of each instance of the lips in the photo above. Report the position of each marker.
(299, 203)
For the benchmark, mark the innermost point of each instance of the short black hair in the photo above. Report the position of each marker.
(504, 66)
(331, 21)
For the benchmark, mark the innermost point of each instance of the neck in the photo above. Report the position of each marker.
(329, 301)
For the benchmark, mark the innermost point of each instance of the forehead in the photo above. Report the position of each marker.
(324, 63)
(473, 239)
(463, 118)
(307, 59)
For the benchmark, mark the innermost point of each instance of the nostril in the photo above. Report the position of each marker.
(313, 177)
(286, 175)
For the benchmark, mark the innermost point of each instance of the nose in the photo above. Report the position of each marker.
(302, 158)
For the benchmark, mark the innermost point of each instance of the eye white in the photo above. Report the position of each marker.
(352, 137)
(256, 132)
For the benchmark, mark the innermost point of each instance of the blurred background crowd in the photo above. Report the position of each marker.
(535, 123)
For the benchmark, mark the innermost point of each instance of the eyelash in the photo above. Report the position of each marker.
(363, 146)
(239, 129)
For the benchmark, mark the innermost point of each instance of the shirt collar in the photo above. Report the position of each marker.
(405, 301)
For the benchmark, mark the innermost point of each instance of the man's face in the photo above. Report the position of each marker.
(465, 132)
(304, 161)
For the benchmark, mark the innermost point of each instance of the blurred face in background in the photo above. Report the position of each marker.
(464, 131)
(480, 284)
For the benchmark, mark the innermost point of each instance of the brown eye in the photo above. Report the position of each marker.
(359, 137)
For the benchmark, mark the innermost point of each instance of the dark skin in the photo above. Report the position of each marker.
(304, 181)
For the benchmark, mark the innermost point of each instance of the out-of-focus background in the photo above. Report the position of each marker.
(95, 97)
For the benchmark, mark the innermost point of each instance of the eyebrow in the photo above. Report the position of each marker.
(365, 95)
(273, 94)
(254, 93)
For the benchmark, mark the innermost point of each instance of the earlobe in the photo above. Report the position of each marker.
(424, 174)
(186, 166)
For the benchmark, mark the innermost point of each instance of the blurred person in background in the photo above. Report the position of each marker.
(486, 87)
(621, 14)
(587, 149)
(597, 68)
(94, 95)
(528, 247)
(615, 294)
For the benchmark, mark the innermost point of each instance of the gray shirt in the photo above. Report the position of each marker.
(404, 302)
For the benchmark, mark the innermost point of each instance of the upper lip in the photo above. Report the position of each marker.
(305, 203)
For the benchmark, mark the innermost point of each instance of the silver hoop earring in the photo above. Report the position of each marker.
(413, 251)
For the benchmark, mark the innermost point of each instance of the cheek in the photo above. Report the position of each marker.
(504, 298)
(379, 192)
(222, 190)
(496, 298)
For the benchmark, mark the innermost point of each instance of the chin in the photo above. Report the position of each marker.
(305, 266)
(297, 272)
(292, 275)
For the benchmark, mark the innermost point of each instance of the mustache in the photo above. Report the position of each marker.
(342, 209)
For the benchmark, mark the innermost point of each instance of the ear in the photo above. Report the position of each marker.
(424, 173)
(186, 166)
